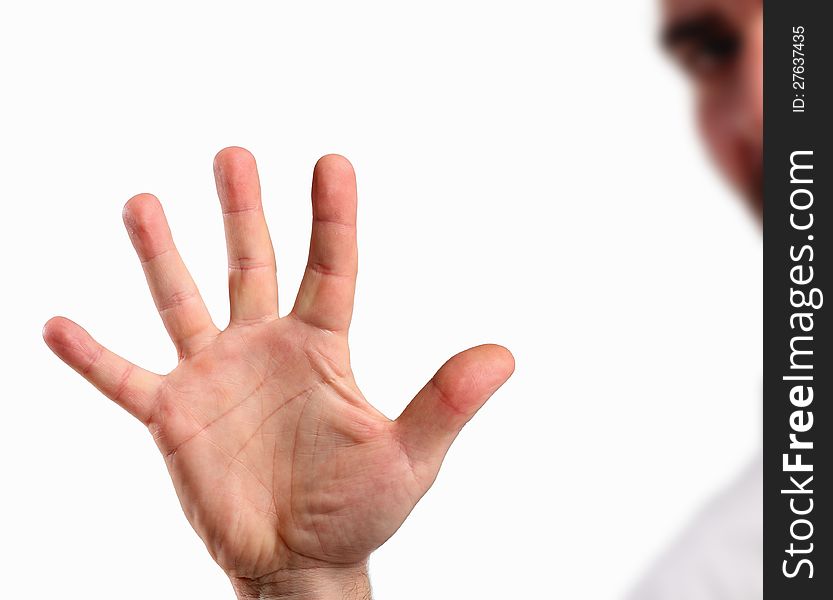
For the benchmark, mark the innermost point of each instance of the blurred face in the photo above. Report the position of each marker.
(719, 44)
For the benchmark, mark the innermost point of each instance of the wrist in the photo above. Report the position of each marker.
(337, 582)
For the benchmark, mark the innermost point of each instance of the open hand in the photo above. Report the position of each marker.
(287, 473)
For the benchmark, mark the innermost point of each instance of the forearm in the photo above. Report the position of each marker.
(330, 583)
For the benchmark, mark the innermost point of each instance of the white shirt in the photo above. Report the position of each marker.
(720, 554)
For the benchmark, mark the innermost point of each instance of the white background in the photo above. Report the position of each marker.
(529, 174)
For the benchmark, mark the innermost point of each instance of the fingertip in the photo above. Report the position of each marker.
(140, 209)
(237, 179)
(53, 329)
(335, 166)
(232, 156)
(502, 359)
(334, 190)
(62, 337)
(494, 358)
(475, 372)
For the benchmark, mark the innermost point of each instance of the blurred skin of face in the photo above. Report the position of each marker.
(719, 44)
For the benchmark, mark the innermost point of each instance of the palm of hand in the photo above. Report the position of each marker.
(278, 460)
(268, 436)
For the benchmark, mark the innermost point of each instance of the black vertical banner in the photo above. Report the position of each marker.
(798, 269)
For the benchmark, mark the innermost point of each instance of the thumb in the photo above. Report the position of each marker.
(432, 420)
